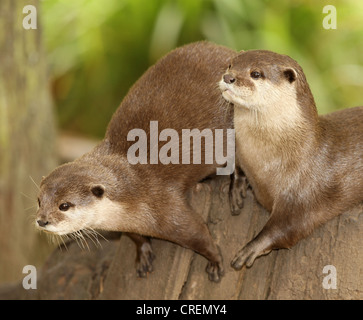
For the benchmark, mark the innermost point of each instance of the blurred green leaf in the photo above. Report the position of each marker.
(98, 49)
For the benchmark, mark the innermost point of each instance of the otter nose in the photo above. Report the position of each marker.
(227, 78)
(42, 223)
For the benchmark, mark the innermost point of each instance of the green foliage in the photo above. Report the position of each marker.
(98, 49)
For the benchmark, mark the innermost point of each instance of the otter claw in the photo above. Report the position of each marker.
(215, 271)
(144, 262)
(242, 259)
(236, 205)
(247, 255)
(237, 194)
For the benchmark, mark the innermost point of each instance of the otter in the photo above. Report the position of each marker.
(304, 168)
(103, 190)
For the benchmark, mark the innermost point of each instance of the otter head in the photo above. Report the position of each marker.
(258, 79)
(72, 198)
(273, 87)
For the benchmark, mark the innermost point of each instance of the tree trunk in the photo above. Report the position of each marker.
(26, 137)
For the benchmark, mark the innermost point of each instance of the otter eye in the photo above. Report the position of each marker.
(65, 206)
(256, 75)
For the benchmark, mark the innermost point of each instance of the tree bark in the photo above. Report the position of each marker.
(26, 138)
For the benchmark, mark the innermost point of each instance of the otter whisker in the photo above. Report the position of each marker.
(82, 240)
(64, 239)
(32, 207)
(73, 237)
(61, 237)
(76, 238)
(53, 238)
(34, 183)
(93, 237)
(26, 196)
(97, 233)
(56, 239)
(31, 217)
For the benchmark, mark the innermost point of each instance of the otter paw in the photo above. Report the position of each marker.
(237, 194)
(235, 201)
(247, 255)
(144, 261)
(215, 271)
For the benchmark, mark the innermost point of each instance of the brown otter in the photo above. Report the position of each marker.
(303, 168)
(103, 190)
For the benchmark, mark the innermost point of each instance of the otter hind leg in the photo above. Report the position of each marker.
(144, 254)
(237, 191)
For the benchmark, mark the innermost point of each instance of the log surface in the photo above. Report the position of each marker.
(179, 273)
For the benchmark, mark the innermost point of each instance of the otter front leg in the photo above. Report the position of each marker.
(187, 229)
(283, 230)
(144, 254)
(237, 191)
(246, 256)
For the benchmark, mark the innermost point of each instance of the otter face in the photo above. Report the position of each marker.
(69, 201)
(259, 78)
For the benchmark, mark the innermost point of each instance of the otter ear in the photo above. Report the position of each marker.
(98, 190)
(290, 75)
